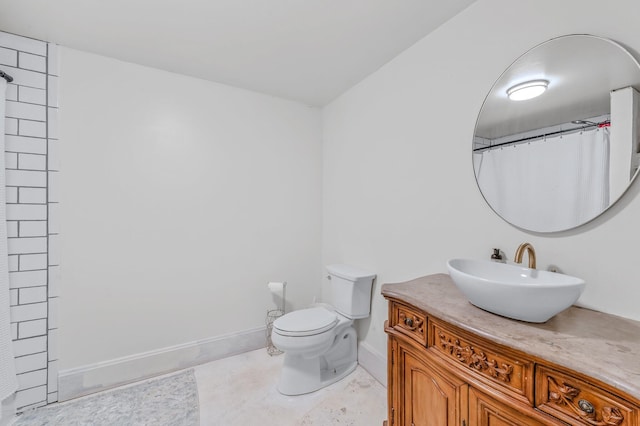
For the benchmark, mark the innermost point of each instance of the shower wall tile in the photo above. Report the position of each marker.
(11, 126)
(23, 44)
(8, 57)
(52, 92)
(31, 397)
(32, 161)
(32, 379)
(11, 160)
(32, 328)
(29, 346)
(53, 316)
(27, 195)
(54, 281)
(32, 262)
(12, 226)
(52, 157)
(26, 77)
(36, 129)
(12, 92)
(31, 95)
(24, 144)
(28, 312)
(26, 212)
(33, 228)
(11, 194)
(53, 377)
(30, 135)
(32, 62)
(23, 279)
(33, 295)
(53, 345)
(32, 362)
(27, 245)
(53, 59)
(53, 187)
(22, 110)
(26, 178)
(52, 123)
(13, 265)
(54, 250)
(54, 221)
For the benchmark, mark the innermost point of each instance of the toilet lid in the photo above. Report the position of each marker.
(306, 322)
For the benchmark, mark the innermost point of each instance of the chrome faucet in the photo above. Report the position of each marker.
(520, 252)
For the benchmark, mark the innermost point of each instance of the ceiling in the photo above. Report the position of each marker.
(305, 50)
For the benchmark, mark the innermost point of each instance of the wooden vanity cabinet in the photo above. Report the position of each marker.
(442, 375)
(428, 388)
(428, 395)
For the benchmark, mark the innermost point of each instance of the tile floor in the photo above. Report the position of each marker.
(241, 390)
(170, 400)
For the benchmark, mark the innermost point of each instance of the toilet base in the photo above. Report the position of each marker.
(302, 374)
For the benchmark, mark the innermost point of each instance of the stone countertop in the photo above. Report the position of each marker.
(603, 346)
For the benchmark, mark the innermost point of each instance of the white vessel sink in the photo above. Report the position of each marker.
(514, 291)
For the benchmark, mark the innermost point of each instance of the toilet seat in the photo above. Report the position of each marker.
(305, 322)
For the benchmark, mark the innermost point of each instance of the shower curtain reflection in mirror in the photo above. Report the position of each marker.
(548, 184)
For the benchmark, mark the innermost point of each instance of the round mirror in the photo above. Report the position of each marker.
(558, 136)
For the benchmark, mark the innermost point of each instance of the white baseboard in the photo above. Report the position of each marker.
(87, 379)
(373, 361)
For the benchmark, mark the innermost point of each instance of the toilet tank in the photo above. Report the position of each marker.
(351, 290)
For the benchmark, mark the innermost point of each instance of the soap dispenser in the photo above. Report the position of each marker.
(497, 255)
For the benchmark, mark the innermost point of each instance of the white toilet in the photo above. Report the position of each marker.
(320, 343)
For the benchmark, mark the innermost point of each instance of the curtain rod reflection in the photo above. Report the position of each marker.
(589, 125)
(6, 76)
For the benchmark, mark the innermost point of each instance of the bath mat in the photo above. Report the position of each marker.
(169, 400)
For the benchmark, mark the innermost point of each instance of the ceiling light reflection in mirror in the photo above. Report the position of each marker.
(527, 90)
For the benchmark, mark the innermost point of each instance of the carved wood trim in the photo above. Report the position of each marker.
(565, 394)
(412, 322)
(475, 359)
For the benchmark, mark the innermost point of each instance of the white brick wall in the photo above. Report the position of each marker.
(31, 171)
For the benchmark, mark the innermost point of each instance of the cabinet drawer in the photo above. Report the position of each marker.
(571, 400)
(410, 322)
(499, 368)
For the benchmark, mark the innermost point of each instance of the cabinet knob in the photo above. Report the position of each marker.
(586, 406)
(409, 322)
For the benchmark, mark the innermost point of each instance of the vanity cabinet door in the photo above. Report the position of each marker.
(486, 411)
(429, 396)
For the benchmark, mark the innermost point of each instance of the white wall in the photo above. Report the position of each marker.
(180, 200)
(400, 196)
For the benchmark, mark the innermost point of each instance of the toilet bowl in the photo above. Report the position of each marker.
(319, 346)
(320, 343)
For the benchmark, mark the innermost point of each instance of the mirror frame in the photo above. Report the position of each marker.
(499, 82)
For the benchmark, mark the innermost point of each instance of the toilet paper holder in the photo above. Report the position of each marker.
(278, 289)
